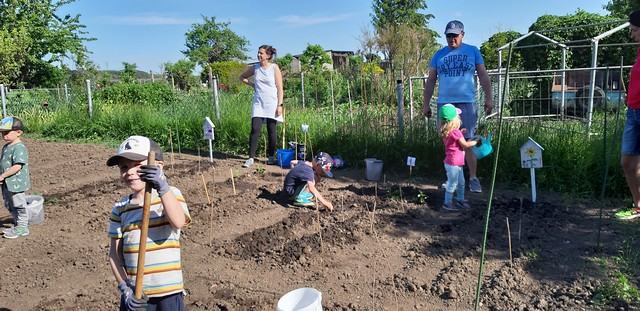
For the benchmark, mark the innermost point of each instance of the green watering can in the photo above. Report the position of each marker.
(483, 148)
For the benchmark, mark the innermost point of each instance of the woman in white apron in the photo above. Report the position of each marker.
(267, 101)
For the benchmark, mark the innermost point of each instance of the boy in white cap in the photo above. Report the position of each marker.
(300, 182)
(163, 285)
(14, 176)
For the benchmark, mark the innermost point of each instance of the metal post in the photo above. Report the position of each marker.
(350, 107)
(66, 94)
(400, 110)
(4, 101)
(89, 98)
(333, 101)
(592, 83)
(302, 82)
(215, 96)
(499, 82)
(564, 82)
(411, 101)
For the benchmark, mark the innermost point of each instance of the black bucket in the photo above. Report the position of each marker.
(300, 149)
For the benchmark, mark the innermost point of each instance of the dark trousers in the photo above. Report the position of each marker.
(256, 127)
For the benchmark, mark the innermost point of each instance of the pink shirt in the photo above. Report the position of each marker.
(453, 150)
(633, 96)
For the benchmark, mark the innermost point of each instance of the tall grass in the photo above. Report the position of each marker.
(572, 162)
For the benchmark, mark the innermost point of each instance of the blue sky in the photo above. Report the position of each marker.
(149, 33)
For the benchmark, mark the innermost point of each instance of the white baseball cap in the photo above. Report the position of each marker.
(135, 148)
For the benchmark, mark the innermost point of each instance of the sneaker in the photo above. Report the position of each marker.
(627, 214)
(271, 161)
(474, 185)
(464, 204)
(248, 163)
(16, 232)
(305, 195)
(449, 207)
(7, 230)
(302, 202)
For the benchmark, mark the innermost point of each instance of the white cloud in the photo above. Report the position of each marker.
(149, 19)
(297, 20)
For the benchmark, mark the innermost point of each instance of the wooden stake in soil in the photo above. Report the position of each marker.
(204, 185)
(342, 206)
(519, 224)
(233, 183)
(284, 128)
(213, 191)
(319, 227)
(171, 144)
(509, 236)
(401, 202)
(144, 230)
(198, 160)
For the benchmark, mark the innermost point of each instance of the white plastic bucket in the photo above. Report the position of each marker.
(373, 169)
(301, 299)
(35, 209)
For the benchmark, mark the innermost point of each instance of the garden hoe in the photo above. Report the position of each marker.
(144, 231)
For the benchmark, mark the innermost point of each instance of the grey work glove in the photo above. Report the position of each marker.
(131, 302)
(153, 175)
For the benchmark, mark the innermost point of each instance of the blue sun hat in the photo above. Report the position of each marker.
(338, 162)
(11, 124)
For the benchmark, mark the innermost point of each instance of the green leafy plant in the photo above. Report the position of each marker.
(422, 197)
(617, 289)
(533, 254)
(261, 169)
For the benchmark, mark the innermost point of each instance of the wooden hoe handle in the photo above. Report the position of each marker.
(144, 230)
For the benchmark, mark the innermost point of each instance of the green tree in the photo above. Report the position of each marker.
(129, 74)
(35, 39)
(489, 50)
(621, 8)
(313, 60)
(13, 43)
(179, 74)
(228, 73)
(541, 55)
(394, 19)
(285, 63)
(214, 42)
(393, 13)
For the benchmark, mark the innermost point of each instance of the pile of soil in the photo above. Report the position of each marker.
(386, 246)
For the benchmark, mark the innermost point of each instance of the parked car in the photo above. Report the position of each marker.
(577, 87)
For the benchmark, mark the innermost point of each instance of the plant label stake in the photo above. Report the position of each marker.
(144, 230)
(411, 162)
(531, 158)
(208, 129)
(305, 129)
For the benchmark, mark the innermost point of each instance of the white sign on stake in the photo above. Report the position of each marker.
(208, 130)
(531, 158)
(411, 161)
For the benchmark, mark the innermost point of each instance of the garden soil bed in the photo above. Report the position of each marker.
(387, 246)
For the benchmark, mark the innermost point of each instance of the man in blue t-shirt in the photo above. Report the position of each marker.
(454, 67)
(300, 182)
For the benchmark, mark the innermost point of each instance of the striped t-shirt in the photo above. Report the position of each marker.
(162, 269)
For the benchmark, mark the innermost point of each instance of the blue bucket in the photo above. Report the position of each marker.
(483, 148)
(284, 157)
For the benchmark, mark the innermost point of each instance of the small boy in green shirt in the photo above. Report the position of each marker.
(14, 176)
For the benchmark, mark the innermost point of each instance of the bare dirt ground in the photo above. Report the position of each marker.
(387, 246)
